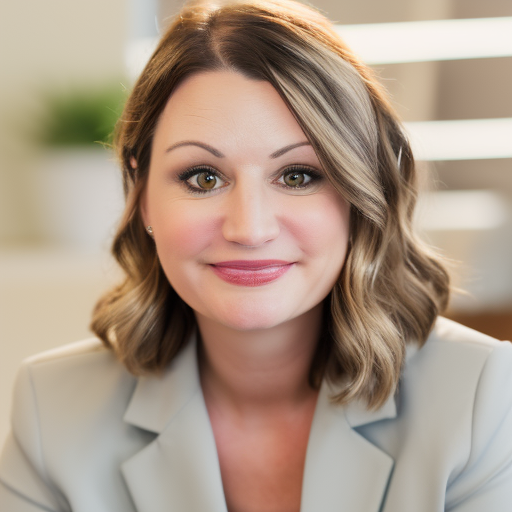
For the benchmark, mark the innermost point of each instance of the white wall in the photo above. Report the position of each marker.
(43, 45)
(45, 297)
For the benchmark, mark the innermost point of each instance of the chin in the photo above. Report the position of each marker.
(251, 322)
(251, 317)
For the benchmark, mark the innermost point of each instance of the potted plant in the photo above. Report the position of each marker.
(78, 191)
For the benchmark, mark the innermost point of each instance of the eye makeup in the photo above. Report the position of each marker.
(211, 177)
(204, 179)
(298, 177)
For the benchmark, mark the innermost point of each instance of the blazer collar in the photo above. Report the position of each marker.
(358, 415)
(157, 399)
(179, 470)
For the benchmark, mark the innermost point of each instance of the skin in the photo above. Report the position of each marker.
(257, 341)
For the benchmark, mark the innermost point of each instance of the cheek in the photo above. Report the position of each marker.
(322, 227)
(184, 231)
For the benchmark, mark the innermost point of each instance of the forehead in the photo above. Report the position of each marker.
(224, 108)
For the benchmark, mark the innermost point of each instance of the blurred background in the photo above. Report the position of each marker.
(67, 67)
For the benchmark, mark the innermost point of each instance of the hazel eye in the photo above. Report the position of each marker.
(299, 177)
(206, 180)
(296, 179)
(201, 180)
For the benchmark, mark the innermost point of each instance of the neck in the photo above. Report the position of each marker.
(259, 369)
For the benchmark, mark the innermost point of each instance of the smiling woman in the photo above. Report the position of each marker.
(276, 344)
(241, 210)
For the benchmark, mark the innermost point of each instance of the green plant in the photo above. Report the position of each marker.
(81, 116)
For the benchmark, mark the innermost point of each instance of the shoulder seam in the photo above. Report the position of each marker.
(78, 349)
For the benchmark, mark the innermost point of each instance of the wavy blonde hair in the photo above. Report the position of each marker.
(391, 288)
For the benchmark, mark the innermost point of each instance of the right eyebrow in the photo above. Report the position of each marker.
(202, 145)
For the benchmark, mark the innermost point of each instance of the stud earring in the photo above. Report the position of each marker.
(149, 229)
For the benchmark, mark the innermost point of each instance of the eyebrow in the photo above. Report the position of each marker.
(218, 154)
(209, 148)
(284, 150)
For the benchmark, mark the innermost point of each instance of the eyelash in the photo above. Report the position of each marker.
(313, 174)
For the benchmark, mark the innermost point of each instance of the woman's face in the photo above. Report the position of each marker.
(248, 229)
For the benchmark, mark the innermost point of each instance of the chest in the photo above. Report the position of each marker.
(262, 468)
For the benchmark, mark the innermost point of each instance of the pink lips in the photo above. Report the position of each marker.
(251, 272)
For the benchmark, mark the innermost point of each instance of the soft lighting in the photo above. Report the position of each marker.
(462, 210)
(461, 140)
(418, 41)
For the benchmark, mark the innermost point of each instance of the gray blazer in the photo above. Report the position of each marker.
(89, 437)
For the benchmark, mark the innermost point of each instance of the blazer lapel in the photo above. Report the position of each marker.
(344, 471)
(179, 471)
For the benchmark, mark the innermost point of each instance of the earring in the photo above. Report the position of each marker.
(149, 229)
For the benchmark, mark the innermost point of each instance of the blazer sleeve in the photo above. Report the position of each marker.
(486, 481)
(24, 483)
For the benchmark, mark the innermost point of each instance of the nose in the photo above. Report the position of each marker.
(250, 215)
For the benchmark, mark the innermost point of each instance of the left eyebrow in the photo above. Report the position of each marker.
(209, 148)
(284, 150)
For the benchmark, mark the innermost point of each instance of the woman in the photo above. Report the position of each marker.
(275, 345)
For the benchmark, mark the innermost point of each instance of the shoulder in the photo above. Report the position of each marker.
(80, 352)
(68, 406)
(459, 387)
(456, 386)
(454, 414)
(83, 360)
(82, 367)
(456, 371)
(454, 353)
(471, 363)
(451, 333)
(454, 366)
(458, 390)
(68, 386)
